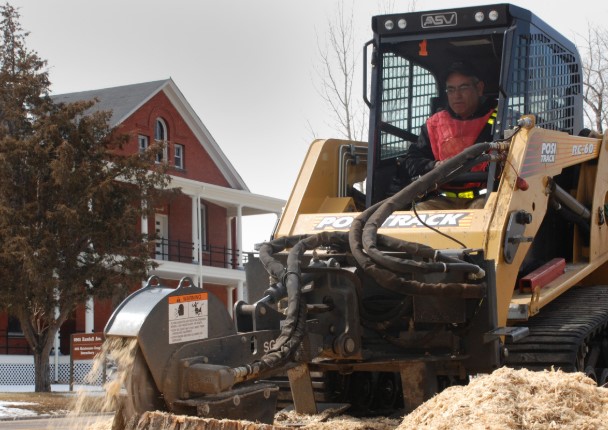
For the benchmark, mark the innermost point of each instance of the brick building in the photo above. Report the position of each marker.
(200, 231)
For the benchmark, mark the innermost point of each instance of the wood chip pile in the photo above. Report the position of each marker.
(325, 421)
(283, 421)
(507, 399)
(166, 421)
(516, 399)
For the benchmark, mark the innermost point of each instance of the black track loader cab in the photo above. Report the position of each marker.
(527, 67)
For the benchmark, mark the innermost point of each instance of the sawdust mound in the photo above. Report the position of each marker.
(283, 421)
(516, 399)
(166, 421)
(326, 421)
(504, 400)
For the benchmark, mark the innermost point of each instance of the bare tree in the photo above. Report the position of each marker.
(595, 77)
(339, 59)
(336, 71)
(388, 6)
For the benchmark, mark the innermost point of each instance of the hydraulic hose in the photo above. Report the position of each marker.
(363, 242)
(364, 239)
(294, 325)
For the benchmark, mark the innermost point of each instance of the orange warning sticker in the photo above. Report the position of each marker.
(188, 298)
(188, 317)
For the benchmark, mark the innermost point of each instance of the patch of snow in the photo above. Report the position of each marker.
(7, 409)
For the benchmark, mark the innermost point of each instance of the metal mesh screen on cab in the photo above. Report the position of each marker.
(544, 76)
(406, 97)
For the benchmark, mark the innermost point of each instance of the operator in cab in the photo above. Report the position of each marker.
(468, 119)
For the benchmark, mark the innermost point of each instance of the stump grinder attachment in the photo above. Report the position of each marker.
(188, 355)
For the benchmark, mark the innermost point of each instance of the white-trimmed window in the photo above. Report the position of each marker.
(142, 142)
(178, 156)
(160, 135)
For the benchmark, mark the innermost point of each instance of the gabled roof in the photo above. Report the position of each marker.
(123, 101)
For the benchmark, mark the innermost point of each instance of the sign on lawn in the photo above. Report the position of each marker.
(85, 346)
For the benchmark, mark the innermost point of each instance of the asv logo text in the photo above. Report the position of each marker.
(439, 20)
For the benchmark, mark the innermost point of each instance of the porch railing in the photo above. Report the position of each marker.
(183, 252)
(13, 343)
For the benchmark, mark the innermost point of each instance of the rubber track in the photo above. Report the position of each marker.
(560, 329)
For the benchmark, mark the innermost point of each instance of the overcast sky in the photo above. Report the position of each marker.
(245, 66)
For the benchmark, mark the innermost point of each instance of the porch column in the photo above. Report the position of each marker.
(196, 239)
(240, 291)
(144, 230)
(144, 219)
(56, 345)
(198, 279)
(230, 301)
(239, 235)
(229, 240)
(89, 316)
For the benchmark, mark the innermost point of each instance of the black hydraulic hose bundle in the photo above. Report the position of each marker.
(294, 325)
(364, 239)
(364, 242)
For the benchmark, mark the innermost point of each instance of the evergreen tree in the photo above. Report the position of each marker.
(70, 200)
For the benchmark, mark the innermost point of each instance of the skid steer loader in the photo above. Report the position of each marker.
(361, 299)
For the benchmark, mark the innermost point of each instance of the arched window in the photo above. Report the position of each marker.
(161, 137)
(160, 130)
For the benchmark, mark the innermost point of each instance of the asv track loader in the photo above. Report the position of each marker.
(361, 299)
